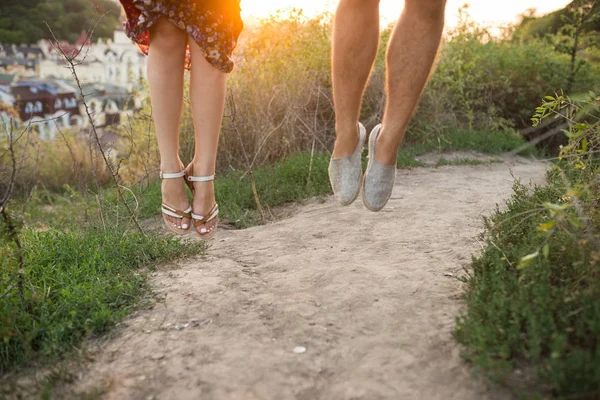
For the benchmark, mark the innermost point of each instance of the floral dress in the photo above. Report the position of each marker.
(214, 24)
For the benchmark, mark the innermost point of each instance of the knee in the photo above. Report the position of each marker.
(359, 3)
(432, 10)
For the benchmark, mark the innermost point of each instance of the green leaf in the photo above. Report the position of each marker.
(527, 260)
(584, 145)
(546, 226)
(556, 207)
(581, 126)
(575, 222)
(546, 250)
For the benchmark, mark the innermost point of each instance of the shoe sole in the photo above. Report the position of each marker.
(175, 231)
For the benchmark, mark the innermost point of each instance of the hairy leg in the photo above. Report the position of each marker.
(410, 56)
(355, 41)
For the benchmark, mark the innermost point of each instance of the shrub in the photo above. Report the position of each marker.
(534, 296)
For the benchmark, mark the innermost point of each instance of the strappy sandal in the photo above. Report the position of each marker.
(167, 210)
(198, 220)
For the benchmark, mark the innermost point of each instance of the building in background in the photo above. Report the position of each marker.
(118, 61)
(37, 84)
(20, 59)
(52, 104)
(47, 104)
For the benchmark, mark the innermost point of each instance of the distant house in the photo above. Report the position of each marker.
(8, 115)
(47, 104)
(37, 83)
(5, 81)
(14, 58)
(116, 61)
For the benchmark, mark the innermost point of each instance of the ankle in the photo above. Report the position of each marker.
(170, 166)
(390, 138)
(387, 149)
(345, 131)
(202, 169)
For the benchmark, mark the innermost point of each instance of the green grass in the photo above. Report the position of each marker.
(287, 181)
(73, 285)
(282, 182)
(487, 142)
(544, 316)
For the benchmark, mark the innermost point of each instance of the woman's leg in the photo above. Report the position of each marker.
(207, 97)
(166, 57)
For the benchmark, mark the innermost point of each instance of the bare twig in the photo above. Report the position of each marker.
(11, 228)
(72, 67)
(248, 163)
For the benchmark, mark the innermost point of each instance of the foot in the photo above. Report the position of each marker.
(204, 202)
(378, 182)
(345, 173)
(174, 195)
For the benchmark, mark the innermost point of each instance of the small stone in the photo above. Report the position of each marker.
(181, 326)
(25, 382)
(158, 356)
(299, 349)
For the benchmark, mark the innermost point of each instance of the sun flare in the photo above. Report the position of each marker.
(483, 11)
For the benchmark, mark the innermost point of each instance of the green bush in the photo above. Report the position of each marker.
(482, 82)
(533, 300)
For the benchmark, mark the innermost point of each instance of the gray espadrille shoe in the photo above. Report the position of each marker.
(379, 179)
(345, 174)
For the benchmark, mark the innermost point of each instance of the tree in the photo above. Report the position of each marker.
(571, 38)
(553, 23)
(23, 21)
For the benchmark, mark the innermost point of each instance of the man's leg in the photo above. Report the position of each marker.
(355, 40)
(410, 56)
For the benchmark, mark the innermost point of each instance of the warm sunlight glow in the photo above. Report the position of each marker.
(491, 13)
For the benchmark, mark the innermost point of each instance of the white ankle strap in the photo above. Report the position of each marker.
(172, 175)
(201, 178)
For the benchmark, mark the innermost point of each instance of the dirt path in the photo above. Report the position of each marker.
(369, 296)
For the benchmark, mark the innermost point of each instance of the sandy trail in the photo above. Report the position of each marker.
(369, 295)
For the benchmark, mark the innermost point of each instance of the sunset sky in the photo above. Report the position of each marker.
(485, 11)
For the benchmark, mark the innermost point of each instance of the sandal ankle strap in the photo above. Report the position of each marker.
(201, 178)
(171, 175)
